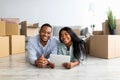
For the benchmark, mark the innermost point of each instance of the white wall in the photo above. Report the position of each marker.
(58, 12)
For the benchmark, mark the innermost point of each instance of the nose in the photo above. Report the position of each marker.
(63, 36)
(45, 34)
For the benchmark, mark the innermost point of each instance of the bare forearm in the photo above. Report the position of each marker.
(75, 63)
(70, 65)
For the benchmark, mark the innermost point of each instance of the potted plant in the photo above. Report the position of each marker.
(92, 27)
(111, 22)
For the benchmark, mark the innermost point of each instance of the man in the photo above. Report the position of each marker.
(41, 46)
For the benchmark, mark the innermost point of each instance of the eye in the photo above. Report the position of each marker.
(48, 32)
(66, 34)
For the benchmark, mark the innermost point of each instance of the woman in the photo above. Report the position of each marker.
(71, 44)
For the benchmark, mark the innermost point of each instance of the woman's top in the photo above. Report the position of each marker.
(62, 50)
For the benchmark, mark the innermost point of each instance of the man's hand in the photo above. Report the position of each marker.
(41, 62)
(51, 65)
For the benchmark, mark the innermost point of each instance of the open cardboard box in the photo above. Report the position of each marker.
(28, 29)
(105, 46)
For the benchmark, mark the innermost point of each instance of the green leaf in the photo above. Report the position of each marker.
(111, 19)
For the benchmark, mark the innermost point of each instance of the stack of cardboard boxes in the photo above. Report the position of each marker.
(11, 42)
(105, 45)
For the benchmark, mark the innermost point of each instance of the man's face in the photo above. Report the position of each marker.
(45, 33)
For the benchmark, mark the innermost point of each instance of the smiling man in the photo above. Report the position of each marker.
(41, 46)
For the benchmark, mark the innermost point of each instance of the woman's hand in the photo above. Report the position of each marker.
(67, 65)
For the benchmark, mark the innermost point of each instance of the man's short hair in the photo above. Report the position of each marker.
(46, 24)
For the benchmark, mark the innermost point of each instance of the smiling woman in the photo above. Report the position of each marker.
(70, 44)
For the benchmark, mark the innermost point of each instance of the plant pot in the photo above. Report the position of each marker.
(112, 31)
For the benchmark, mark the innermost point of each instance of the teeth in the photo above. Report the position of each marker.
(44, 37)
(64, 40)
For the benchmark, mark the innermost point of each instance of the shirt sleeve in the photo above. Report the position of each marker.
(55, 47)
(31, 53)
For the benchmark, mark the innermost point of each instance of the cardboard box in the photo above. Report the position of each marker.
(4, 46)
(11, 20)
(118, 26)
(32, 31)
(105, 46)
(106, 29)
(97, 32)
(12, 29)
(17, 44)
(2, 28)
(28, 29)
(25, 24)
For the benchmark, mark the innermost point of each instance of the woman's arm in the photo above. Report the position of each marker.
(75, 63)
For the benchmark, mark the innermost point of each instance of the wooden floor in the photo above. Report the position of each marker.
(16, 67)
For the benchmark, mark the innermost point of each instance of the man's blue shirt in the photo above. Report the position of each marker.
(35, 48)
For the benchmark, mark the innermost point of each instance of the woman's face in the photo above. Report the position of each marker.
(65, 37)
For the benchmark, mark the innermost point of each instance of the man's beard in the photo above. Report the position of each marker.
(43, 41)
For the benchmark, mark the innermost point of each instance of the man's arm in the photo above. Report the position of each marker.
(41, 62)
(31, 53)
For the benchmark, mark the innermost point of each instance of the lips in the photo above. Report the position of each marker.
(65, 40)
(45, 38)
